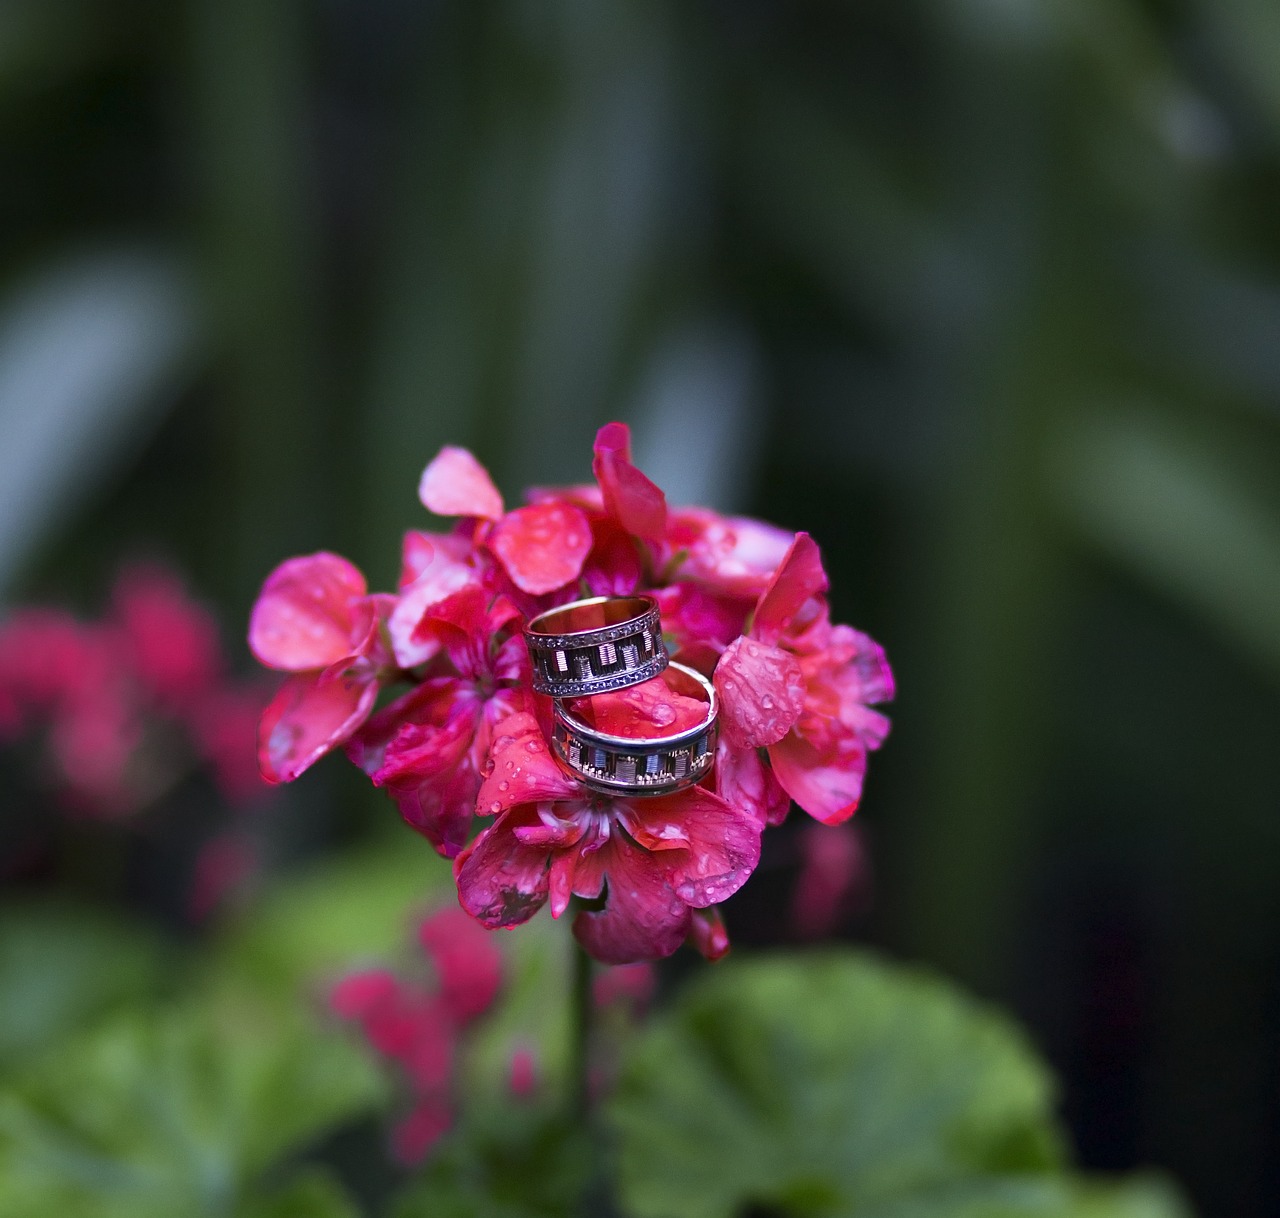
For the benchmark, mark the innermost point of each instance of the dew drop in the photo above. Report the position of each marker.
(766, 702)
(510, 765)
(533, 746)
(504, 785)
(663, 716)
(496, 806)
(487, 768)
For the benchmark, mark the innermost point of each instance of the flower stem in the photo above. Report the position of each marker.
(581, 1017)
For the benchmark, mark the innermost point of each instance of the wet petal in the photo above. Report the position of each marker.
(635, 502)
(524, 772)
(302, 619)
(731, 555)
(744, 782)
(542, 547)
(500, 880)
(646, 711)
(707, 934)
(723, 843)
(762, 693)
(827, 786)
(456, 484)
(643, 918)
(311, 715)
(441, 578)
(799, 578)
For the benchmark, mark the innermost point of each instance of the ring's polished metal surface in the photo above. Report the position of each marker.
(617, 765)
(596, 645)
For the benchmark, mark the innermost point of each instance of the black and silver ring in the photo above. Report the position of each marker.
(595, 646)
(617, 765)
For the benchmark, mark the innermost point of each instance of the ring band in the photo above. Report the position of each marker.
(620, 765)
(596, 645)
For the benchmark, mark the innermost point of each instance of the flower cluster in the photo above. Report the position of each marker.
(418, 1026)
(123, 708)
(741, 601)
(109, 696)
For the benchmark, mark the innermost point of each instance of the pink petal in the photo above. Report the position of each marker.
(174, 640)
(542, 547)
(311, 715)
(708, 935)
(358, 995)
(468, 962)
(723, 843)
(693, 616)
(646, 711)
(762, 693)
(613, 568)
(799, 578)
(629, 497)
(416, 749)
(834, 869)
(303, 617)
(456, 484)
(744, 782)
(643, 918)
(523, 771)
(501, 881)
(827, 787)
(443, 576)
(419, 550)
(731, 555)
(415, 1135)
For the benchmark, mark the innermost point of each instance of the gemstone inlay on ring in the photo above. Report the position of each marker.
(619, 765)
(597, 645)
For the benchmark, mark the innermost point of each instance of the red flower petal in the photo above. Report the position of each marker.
(732, 555)
(467, 962)
(501, 881)
(523, 771)
(635, 502)
(721, 845)
(708, 935)
(762, 693)
(744, 782)
(456, 484)
(441, 577)
(311, 715)
(542, 546)
(303, 618)
(828, 788)
(359, 995)
(416, 1134)
(643, 918)
(799, 577)
(643, 712)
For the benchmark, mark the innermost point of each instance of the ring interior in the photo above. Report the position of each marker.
(679, 682)
(591, 615)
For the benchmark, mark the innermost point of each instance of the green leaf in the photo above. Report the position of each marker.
(175, 1112)
(1032, 1197)
(62, 966)
(312, 1195)
(521, 1164)
(337, 916)
(824, 1083)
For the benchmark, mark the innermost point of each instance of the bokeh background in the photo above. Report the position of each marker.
(985, 294)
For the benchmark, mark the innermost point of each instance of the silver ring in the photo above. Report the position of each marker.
(596, 645)
(619, 765)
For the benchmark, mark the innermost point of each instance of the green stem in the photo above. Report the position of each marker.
(581, 1016)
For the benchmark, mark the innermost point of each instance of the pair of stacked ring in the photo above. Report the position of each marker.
(601, 645)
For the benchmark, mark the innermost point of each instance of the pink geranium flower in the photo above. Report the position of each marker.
(802, 689)
(428, 747)
(418, 1026)
(316, 620)
(652, 861)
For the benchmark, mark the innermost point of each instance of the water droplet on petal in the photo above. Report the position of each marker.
(504, 785)
(495, 807)
(662, 715)
(487, 768)
(510, 765)
(534, 746)
(766, 702)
